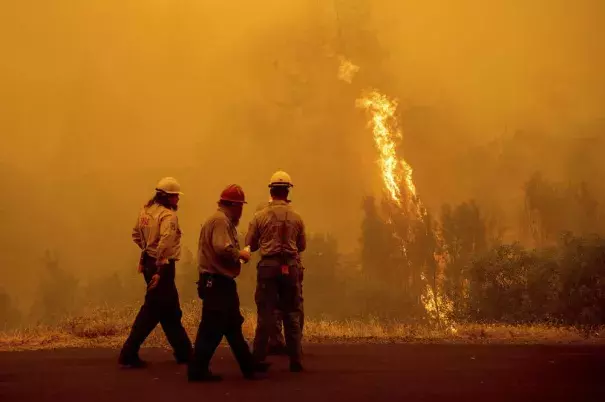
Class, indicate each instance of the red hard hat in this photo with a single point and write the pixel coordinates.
(233, 193)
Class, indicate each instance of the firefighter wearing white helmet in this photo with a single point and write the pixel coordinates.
(158, 235)
(277, 343)
(278, 232)
(280, 179)
(169, 185)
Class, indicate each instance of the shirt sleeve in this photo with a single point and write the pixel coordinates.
(252, 237)
(301, 241)
(200, 248)
(137, 236)
(222, 241)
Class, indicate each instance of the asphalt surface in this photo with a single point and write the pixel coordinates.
(397, 372)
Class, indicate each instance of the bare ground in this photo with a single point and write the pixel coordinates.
(360, 372)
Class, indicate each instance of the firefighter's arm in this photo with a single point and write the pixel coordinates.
(301, 241)
(137, 236)
(168, 237)
(252, 237)
(222, 243)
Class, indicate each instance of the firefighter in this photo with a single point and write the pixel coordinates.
(277, 343)
(158, 235)
(279, 233)
(220, 259)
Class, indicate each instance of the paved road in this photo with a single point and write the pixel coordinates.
(334, 372)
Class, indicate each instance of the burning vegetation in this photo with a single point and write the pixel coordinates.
(401, 199)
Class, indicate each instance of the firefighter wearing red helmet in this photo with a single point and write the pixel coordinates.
(158, 235)
(219, 263)
(279, 233)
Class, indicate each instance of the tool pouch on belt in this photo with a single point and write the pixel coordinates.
(286, 264)
(201, 286)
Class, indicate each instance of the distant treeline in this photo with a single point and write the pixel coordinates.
(457, 259)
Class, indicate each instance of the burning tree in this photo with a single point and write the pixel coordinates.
(414, 267)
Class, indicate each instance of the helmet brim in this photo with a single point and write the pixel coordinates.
(232, 201)
(169, 192)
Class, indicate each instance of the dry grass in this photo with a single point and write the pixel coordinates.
(108, 327)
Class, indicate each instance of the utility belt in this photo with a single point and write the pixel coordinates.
(270, 265)
(208, 280)
(150, 268)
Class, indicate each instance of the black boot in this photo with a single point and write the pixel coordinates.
(132, 362)
(296, 367)
(253, 376)
(183, 358)
(206, 376)
(252, 372)
(261, 367)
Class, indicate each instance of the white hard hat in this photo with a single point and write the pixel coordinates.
(169, 185)
(281, 179)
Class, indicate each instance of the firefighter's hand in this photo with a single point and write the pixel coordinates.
(155, 279)
(244, 255)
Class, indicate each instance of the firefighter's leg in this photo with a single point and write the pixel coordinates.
(238, 344)
(209, 335)
(266, 304)
(277, 344)
(302, 301)
(173, 328)
(290, 301)
(146, 320)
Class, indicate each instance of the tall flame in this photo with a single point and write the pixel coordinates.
(395, 171)
(397, 177)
